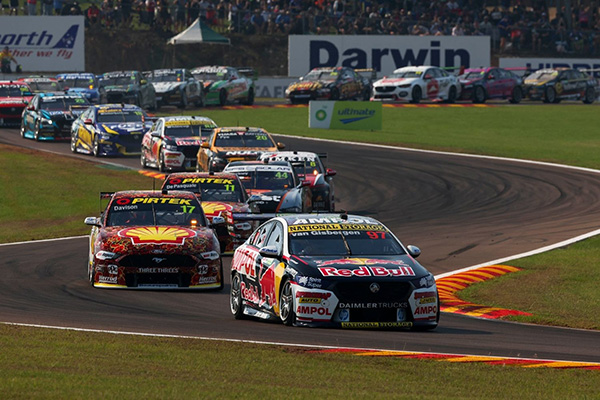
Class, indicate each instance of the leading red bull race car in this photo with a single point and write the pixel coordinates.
(153, 240)
(332, 270)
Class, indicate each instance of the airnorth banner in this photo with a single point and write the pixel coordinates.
(45, 43)
(345, 115)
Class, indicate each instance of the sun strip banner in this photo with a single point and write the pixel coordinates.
(450, 285)
(461, 358)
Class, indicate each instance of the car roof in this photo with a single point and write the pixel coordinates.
(153, 193)
(289, 156)
(239, 129)
(116, 106)
(191, 175)
(247, 166)
(330, 218)
(413, 68)
(187, 118)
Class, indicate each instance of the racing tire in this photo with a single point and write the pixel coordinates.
(335, 94)
(236, 303)
(73, 144)
(96, 147)
(36, 131)
(138, 101)
(517, 95)
(200, 100)
(590, 96)
(143, 159)
(222, 97)
(23, 128)
(90, 274)
(479, 96)
(286, 310)
(184, 100)
(154, 106)
(222, 284)
(451, 95)
(366, 95)
(417, 94)
(250, 99)
(549, 95)
(161, 161)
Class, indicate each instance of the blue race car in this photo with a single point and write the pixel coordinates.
(84, 84)
(49, 116)
(110, 130)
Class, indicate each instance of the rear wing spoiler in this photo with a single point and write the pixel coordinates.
(248, 72)
(368, 73)
(106, 195)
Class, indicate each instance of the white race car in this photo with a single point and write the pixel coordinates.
(414, 84)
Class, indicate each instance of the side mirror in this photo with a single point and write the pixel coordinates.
(205, 145)
(269, 251)
(217, 221)
(143, 82)
(330, 172)
(30, 107)
(155, 134)
(280, 146)
(88, 121)
(254, 198)
(413, 250)
(93, 221)
(304, 183)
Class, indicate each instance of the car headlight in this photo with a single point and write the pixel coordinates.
(105, 136)
(106, 255)
(210, 255)
(425, 282)
(324, 90)
(46, 121)
(171, 147)
(243, 226)
(218, 161)
(404, 86)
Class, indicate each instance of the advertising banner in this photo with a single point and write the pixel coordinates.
(273, 87)
(345, 115)
(592, 65)
(385, 53)
(48, 43)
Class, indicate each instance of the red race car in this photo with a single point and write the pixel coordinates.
(14, 97)
(480, 84)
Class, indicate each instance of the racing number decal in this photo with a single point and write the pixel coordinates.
(376, 235)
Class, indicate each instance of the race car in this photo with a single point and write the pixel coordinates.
(173, 142)
(228, 144)
(414, 84)
(332, 270)
(83, 83)
(176, 87)
(337, 83)
(110, 130)
(224, 85)
(14, 97)
(49, 116)
(153, 240)
(309, 167)
(42, 84)
(273, 187)
(554, 85)
(221, 195)
(127, 87)
(480, 84)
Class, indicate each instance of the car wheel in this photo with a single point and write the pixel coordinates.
(96, 147)
(286, 305)
(335, 94)
(184, 100)
(23, 128)
(200, 101)
(451, 95)
(366, 95)
(250, 99)
(236, 303)
(479, 94)
(143, 159)
(91, 273)
(36, 131)
(222, 97)
(416, 95)
(222, 284)
(155, 106)
(161, 161)
(590, 95)
(74, 144)
(517, 95)
(549, 95)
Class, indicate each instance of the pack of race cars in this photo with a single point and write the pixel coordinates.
(236, 191)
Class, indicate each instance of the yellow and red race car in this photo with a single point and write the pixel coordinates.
(221, 195)
(173, 142)
(228, 144)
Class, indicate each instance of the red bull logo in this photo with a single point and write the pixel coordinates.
(157, 235)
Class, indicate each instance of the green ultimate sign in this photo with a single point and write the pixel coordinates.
(364, 115)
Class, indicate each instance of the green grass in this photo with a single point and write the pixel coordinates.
(51, 364)
(47, 196)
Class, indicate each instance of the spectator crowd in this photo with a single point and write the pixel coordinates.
(512, 25)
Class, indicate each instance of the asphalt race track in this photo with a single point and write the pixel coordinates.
(460, 211)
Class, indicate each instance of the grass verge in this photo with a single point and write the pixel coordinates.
(51, 364)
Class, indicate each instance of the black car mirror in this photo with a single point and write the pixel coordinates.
(414, 251)
(94, 221)
(269, 252)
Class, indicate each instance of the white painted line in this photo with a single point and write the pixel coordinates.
(266, 343)
(44, 240)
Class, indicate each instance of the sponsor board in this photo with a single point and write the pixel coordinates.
(533, 64)
(51, 43)
(345, 115)
(273, 87)
(385, 53)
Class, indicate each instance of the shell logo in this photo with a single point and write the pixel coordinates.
(213, 208)
(157, 235)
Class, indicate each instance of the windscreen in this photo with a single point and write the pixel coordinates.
(166, 76)
(210, 75)
(120, 116)
(79, 83)
(266, 180)
(14, 91)
(342, 239)
(62, 103)
(145, 211)
(118, 80)
(328, 76)
(211, 189)
(472, 75)
(407, 74)
(45, 86)
(188, 128)
(243, 139)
